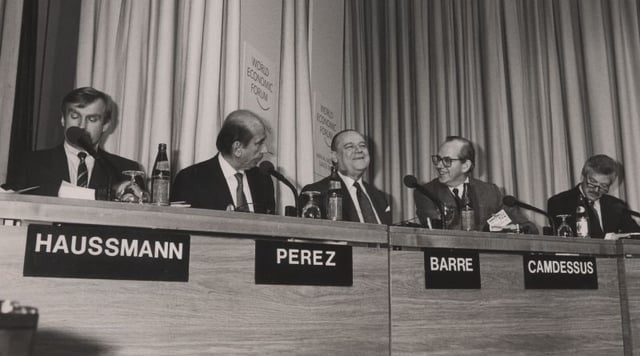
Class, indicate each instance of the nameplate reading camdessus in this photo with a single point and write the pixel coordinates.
(451, 269)
(560, 272)
(296, 263)
(106, 252)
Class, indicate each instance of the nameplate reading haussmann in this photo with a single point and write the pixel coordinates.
(106, 252)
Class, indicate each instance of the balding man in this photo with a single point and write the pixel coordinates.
(455, 162)
(230, 180)
(362, 202)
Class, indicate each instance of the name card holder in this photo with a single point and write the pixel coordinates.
(296, 263)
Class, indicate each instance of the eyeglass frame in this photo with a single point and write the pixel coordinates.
(597, 187)
(446, 161)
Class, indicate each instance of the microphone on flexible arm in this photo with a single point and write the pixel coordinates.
(80, 138)
(631, 212)
(267, 168)
(510, 201)
(411, 182)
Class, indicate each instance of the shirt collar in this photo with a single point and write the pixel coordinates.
(348, 181)
(73, 152)
(227, 169)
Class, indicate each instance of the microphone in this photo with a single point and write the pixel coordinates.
(81, 138)
(631, 212)
(267, 168)
(510, 201)
(411, 182)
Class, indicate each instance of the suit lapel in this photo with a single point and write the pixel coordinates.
(59, 164)
(349, 211)
(219, 182)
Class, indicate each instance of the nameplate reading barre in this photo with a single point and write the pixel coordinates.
(560, 272)
(303, 264)
(106, 252)
(451, 269)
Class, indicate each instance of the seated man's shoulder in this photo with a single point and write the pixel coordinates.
(319, 186)
(122, 162)
(562, 195)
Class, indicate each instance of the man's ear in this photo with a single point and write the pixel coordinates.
(235, 146)
(106, 126)
(334, 158)
(466, 166)
(62, 120)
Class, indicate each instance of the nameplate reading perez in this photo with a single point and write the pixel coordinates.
(303, 264)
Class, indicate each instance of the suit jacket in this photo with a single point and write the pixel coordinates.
(614, 218)
(349, 212)
(48, 168)
(204, 186)
(486, 200)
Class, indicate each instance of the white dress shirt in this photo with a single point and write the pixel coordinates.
(73, 161)
(354, 196)
(230, 176)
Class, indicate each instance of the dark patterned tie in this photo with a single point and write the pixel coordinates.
(83, 174)
(241, 199)
(368, 214)
(457, 198)
(594, 218)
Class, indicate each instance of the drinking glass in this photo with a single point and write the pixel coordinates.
(311, 207)
(130, 192)
(449, 215)
(564, 230)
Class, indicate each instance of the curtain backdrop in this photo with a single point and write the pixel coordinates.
(10, 24)
(538, 85)
(171, 66)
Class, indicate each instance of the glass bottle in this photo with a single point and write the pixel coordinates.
(582, 220)
(467, 214)
(160, 177)
(334, 207)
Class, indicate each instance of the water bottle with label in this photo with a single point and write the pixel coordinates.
(334, 208)
(467, 214)
(582, 222)
(161, 177)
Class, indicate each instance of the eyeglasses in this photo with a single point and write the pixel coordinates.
(592, 184)
(446, 161)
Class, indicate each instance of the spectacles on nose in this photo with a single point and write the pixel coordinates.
(591, 184)
(446, 161)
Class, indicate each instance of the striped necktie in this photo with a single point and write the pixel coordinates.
(83, 174)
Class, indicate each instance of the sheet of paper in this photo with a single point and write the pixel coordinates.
(68, 190)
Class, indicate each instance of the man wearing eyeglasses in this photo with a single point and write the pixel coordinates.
(606, 213)
(455, 162)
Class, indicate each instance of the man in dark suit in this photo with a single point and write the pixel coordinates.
(230, 180)
(91, 110)
(606, 213)
(361, 201)
(455, 161)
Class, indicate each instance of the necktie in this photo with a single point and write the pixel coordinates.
(241, 199)
(457, 198)
(368, 214)
(83, 174)
(594, 220)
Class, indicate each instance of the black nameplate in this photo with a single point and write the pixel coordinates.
(303, 264)
(106, 252)
(451, 269)
(560, 272)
